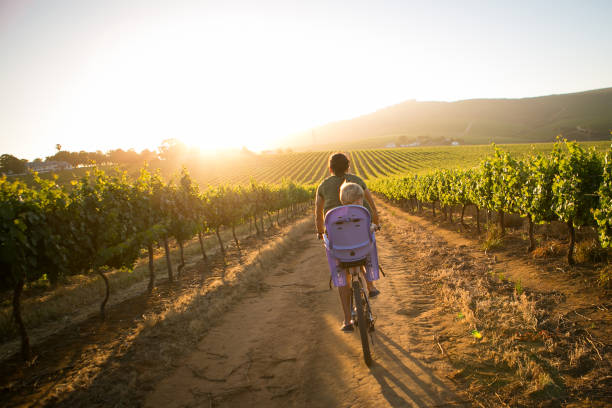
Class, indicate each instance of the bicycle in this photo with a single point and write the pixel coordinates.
(361, 310)
(351, 247)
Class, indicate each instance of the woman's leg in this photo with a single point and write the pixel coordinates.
(345, 293)
(369, 284)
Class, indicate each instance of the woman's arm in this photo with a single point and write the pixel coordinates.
(369, 198)
(319, 220)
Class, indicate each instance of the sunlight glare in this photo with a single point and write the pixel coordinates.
(222, 94)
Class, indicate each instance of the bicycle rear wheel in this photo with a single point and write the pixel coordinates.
(362, 322)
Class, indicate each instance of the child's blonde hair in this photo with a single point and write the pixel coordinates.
(350, 192)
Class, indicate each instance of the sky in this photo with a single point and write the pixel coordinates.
(99, 75)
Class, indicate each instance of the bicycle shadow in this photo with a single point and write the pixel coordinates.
(424, 388)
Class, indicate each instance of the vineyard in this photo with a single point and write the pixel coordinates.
(569, 184)
(311, 167)
(104, 221)
(65, 235)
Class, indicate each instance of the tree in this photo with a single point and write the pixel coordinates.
(120, 156)
(172, 150)
(11, 164)
(147, 155)
(66, 156)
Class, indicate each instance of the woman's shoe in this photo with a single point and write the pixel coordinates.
(374, 293)
(347, 328)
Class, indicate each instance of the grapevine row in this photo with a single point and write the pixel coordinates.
(570, 184)
(104, 220)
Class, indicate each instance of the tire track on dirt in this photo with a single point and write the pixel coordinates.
(282, 346)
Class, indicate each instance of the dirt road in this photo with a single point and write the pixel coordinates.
(283, 347)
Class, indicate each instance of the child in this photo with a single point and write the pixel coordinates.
(352, 194)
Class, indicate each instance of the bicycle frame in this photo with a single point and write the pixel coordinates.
(361, 311)
(356, 277)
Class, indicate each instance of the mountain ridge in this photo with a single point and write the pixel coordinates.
(585, 115)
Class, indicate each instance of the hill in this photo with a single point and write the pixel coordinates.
(582, 116)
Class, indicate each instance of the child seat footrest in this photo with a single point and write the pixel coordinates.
(360, 262)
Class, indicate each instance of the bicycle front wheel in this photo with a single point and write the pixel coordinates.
(362, 322)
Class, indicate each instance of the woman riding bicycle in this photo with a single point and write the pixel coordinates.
(328, 197)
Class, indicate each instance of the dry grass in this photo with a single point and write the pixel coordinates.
(590, 250)
(508, 321)
(529, 349)
(578, 352)
(553, 248)
(516, 341)
(82, 293)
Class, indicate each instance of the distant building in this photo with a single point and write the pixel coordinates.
(390, 144)
(455, 143)
(47, 166)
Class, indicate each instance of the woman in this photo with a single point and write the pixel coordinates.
(328, 197)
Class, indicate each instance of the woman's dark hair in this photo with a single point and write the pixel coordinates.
(338, 163)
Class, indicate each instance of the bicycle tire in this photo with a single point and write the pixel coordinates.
(363, 326)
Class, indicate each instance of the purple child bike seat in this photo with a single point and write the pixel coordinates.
(348, 239)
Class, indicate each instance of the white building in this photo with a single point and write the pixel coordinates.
(47, 166)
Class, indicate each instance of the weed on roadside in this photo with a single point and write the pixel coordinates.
(518, 287)
(493, 238)
(605, 276)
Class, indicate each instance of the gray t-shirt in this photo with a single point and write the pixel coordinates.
(329, 190)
